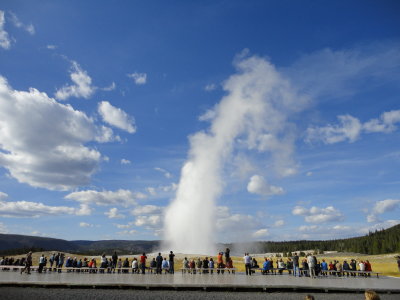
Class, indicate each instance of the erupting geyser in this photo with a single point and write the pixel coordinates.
(254, 110)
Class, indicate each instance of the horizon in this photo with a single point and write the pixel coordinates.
(262, 121)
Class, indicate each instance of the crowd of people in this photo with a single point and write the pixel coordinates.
(311, 267)
(208, 265)
(308, 266)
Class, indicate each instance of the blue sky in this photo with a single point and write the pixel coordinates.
(102, 102)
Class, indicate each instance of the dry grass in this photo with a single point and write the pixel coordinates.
(386, 264)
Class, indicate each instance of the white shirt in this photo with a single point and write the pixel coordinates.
(247, 259)
(134, 264)
(310, 261)
(362, 266)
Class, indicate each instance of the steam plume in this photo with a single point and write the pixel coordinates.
(254, 110)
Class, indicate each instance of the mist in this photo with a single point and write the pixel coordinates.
(254, 110)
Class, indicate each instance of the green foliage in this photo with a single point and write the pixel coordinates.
(378, 242)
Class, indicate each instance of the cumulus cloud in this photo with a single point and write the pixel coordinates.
(5, 41)
(138, 78)
(147, 210)
(279, 223)
(149, 222)
(42, 141)
(258, 185)
(125, 161)
(165, 172)
(318, 215)
(151, 190)
(17, 23)
(114, 214)
(116, 117)
(81, 87)
(26, 209)
(84, 224)
(350, 128)
(51, 47)
(3, 196)
(261, 233)
(119, 197)
(381, 207)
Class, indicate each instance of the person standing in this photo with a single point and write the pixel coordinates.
(247, 263)
(296, 269)
(143, 262)
(311, 265)
(114, 260)
(227, 255)
(171, 262)
(28, 263)
(159, 260)
(219, 260)
(41, 263)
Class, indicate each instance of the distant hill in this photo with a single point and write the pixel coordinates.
(378, 242)
(15, 244)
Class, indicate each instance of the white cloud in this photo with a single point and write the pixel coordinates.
(138, 78)
(119, 197)
(82, 86)
(169, 188)
(5, 42)
(258, 185)
(84, 210)
(17, 23)
(261, 233)
(386, 205)
(25, 209)
(51, 47)
(125, 161)
(382, 207)
(147, 210)
(124, 226)
(3, 196)
(149, 222)
(165, 172)
(116, 117)
(350, 128)
(151, 190)
(210, 87)
(113, 214)
(3, 228)
(279, 223)
(109, 88)
(42, 141)
(318, 215)
(84, 224)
